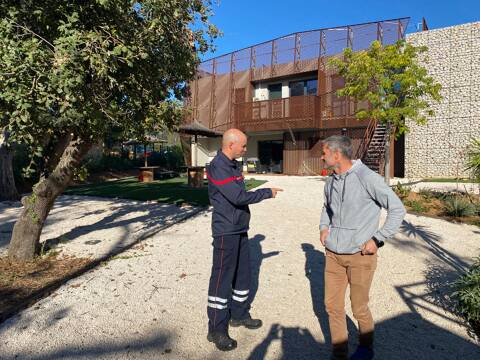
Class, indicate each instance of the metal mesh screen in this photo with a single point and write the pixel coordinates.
(296, 53)
(223, 64)
(284, 50)
(241, 60)
(306, 45)
(363, 35)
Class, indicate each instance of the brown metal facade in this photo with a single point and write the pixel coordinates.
(302, 150)
(222, 93)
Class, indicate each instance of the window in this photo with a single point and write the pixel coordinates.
(303, 87)
(297, 88)
(311, 86)
(274, 91)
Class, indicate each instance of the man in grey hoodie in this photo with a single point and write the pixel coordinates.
(349, 230)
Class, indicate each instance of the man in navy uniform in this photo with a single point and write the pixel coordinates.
(228, 292)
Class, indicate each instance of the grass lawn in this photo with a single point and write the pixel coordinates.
(174, 190)
(448, 180)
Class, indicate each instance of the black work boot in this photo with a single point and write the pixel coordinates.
(221, 340)
(248, 322)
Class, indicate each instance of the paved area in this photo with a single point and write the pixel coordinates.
(150, 302)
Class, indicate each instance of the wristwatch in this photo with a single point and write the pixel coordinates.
(379, 243)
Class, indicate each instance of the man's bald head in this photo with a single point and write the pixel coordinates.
(232, 136)
(234, 143)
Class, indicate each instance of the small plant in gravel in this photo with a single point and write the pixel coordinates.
(458, 207)
(427, 194)
(401, 190)
(439, 195)
(416, 206)
(467, 295)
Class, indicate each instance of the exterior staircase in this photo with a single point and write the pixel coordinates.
(374, 156)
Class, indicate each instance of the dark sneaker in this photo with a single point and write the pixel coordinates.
(363, 353)
(222, 341)
(249, 323)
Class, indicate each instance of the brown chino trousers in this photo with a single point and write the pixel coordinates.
(357, 271)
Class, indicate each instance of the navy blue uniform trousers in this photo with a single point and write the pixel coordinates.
(228, 291)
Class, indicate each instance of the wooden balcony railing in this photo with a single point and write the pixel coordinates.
(297, 112)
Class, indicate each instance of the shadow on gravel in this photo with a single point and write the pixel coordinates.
(137, 348)
(256, 258)
(430, 241)
(406, 336)
(153, 223)
(297, 343)
(153, 219)
(314, 270)
(6, 229)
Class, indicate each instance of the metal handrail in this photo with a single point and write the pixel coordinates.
(367, 138)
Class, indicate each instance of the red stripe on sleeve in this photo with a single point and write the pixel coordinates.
(221, 182)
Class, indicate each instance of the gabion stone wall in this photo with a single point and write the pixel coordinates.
(453, 59)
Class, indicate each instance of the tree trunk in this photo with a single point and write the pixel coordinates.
(8, 191)
(26, 232)
(185, 142)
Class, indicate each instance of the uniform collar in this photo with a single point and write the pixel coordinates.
(225, 159)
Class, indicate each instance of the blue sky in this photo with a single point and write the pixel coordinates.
(248, 22)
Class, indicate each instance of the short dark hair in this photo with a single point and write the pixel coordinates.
(340, 143)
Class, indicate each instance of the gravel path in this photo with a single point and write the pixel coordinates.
(150, 303)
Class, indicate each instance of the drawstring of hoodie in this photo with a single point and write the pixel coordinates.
(344, 186)
(343, 190)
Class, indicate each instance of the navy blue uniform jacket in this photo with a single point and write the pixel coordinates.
(230, 200)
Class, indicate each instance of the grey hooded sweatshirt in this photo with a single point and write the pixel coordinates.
(351, 210)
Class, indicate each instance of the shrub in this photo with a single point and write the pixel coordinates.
(170, 157)
(467, 294)
(80, 173)
(427, 194)
(458, 207)
(95, 164)
(416, 206)
(402, 190)
(477, 208)
(473, 159)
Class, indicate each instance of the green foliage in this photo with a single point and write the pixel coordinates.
(21, 160)
(401, 190)
(391, 80)
(458, 206)
(81, 173)
(467, 293)
(416, 206)
(427, 194)
(96, 164)
(87, 67)
(473, 159)
(170, 157)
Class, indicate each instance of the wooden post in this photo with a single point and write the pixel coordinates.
(145, 154)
